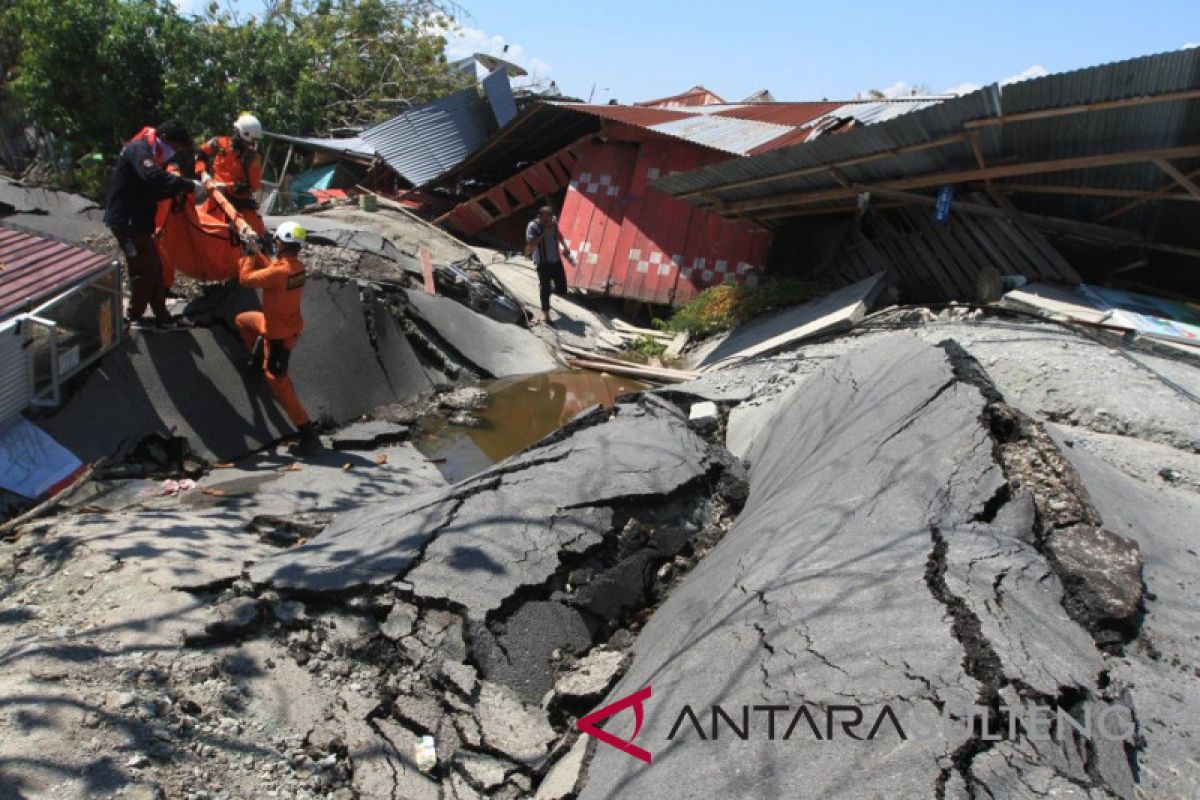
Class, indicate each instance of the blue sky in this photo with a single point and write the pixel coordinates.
(808, 51)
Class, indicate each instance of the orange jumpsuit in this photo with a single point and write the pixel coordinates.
(279, 323)
(239, 167)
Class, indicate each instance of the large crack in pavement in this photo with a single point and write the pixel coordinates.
(876, 481)
(907, 540)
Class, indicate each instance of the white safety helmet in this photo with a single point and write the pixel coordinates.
(248, 127)
(291, 233)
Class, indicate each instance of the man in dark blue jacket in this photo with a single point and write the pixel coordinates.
(139, 182)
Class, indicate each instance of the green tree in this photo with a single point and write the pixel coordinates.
(92, 72)
(307, 66)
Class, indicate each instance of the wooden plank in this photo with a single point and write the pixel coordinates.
(1180, 178)
(1087, 191)
(657, 374)
(1055, 264)
(939, 240)
(967, 175)
(1031, 263)
(427, 270)
(675, 349)
(1162, 191)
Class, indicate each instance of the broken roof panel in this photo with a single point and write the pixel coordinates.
(33, 268)
(500, 97)
(425, 142)
(742, 129)
(354, 147)
(1140, 105)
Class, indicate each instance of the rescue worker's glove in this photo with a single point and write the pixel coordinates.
(199, 192)
(250, 245)
(205, 178)
(277, 361)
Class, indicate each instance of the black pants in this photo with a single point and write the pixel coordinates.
(552, 279)
(145, 274)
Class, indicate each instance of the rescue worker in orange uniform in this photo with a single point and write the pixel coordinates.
(271, 334)
(234, 166)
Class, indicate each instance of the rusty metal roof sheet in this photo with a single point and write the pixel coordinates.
(749, 128)
(33, 268)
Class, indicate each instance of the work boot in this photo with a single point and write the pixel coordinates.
(310, 442)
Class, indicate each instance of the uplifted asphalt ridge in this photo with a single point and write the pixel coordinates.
(871, 566)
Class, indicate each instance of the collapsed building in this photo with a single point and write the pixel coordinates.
(948, 510)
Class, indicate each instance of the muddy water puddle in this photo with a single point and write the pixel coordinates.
(519, 411)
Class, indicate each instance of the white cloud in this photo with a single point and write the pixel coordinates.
(1033, 71)
(1190, 45)
(963, 88)
(463, 41)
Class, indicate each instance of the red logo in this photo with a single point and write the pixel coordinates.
(588, 724)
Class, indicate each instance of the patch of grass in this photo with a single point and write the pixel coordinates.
(729, 305)
(648, 346)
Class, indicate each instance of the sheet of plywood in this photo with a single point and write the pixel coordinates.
(782, 329)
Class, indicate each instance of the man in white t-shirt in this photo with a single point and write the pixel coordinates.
(543, 244)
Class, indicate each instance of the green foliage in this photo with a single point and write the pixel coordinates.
(648, 346)
(729, 305)
(93, 72)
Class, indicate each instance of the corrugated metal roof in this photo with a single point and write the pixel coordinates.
(1105, 130)
(353, 147)
(737, 128)
(733, 135)
(696, 96)
(500, 97)
(425, 142)
(916, 125)
(33, 268)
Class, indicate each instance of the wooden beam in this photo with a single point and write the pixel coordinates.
(850, 162)
(1179, 177)
(964, 176)
(1045, 113)
(1086, 191)
(1162, 191)
(977, 149)
(1083, 108)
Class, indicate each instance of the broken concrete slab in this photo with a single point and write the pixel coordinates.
(523, 656)
(403, 229)
(503, 524)
(337, 371)
(1154, 671)
(867, 503)
(593, 676)
(486, 772)
(493, 348)
(184, 383)
(520, 732)
(787, 327)
(562, 780)
(195, 384)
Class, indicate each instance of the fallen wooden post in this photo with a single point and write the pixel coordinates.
(656, 374)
